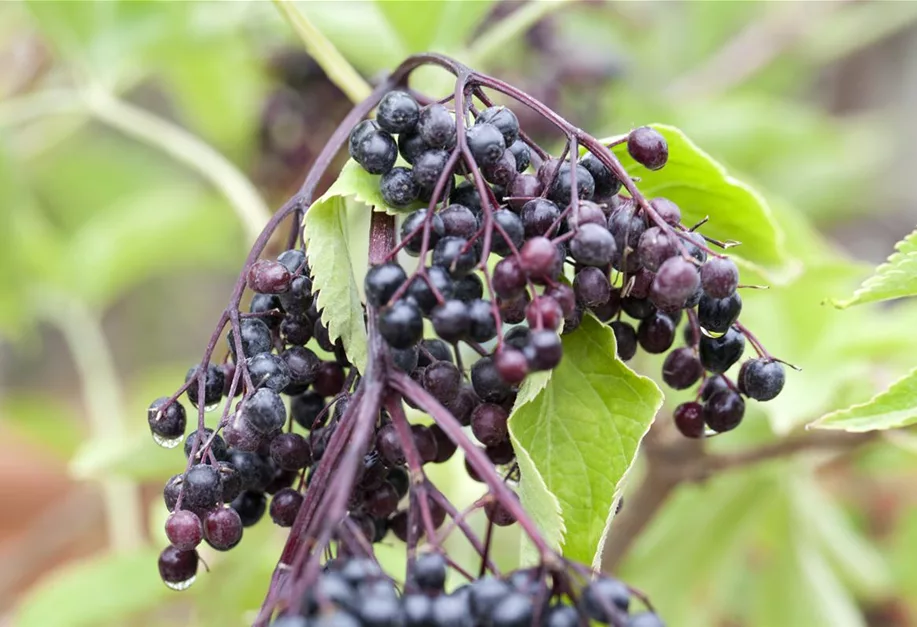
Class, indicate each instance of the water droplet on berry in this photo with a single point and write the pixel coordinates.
(212, 407)
(165, 442)
(181, 585)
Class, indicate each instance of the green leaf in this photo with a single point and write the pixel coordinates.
(896, 278)
(333, 275)
(100, 591)
(355, 182)
(701, 187)
(891, 409)
(581, 433)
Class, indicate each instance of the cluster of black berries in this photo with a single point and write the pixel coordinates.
(355, 592)
(255, 452)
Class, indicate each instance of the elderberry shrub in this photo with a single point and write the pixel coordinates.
(513, 249)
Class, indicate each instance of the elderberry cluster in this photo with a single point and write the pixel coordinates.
(355, 592)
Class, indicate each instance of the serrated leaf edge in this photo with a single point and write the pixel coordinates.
(825, 422)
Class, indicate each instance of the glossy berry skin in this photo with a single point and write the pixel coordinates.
(544, 351)
(512, 365)
(626, 338)
(176, 566)
(586, 212)
(522, 155)
(223, 528)
(430, 572)
(459, 221)
(398, 187)
(676, 280)
(264, 411)
(436, 126)
(645, 619)
(482, 324)
(487, 383)
(401, 324)
(592, 245)
(360, 132)
(433, 350)
(489, 424)
(451, 320)
(167, 423)
(214, 382)
(508, 279)
(290, 451)
(681, 369)
(544, 313)
(421, 292)
(655, 247)
(250, 506)
(268, 277)
(414, 222)
(720, 353)
(262, 303)
(762, 379)
(524, 188)
(561, 191)
(561, 615)
(382, 281)
(724, 410)
(410, 144)
(269, 371)
(718, 314)
(503, 171)
(538, 215)
(466, 194)
(184, 530)
(201, 488)
(375, 151)
(606, 184)
(656, 333)
(397, 112)
(512, 226)
(299, 297)
(484, 594)
(538, 257)
(255, 338)
(217, 446)
(486, 143)
(605, 598)
(689, 420)
(443, 380)
(564, 296)
(648, 147)
(284, 507)
(450, 253)
(719, 277)
(515, 610)
(503, 119)
(428, 166)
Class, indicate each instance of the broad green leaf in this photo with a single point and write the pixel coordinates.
(103, 590)
(582, 431)
(701, 187)
(897, 278)
(355, 182)
(333, 275)
(891, 409)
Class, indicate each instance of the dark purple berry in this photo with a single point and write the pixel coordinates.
(655, 247)
(401, 324)
(167, 425)
(382, 282)
(487, 383)
(397, 112)
(626, 338)
(538, 215)
(398, 187)
(410, 144)
(544, 351)
(524, 188)
(667, 210)
(719, 277)
(486, 143)
(489, 424)
(375, 150)
(201, 489)
(442, 380)
(689, 420)
(451, 320)
(436, 126)
(177, 568)
(184, 530)
(512, 365)
(681, 369)
(284, 506)
(511, 225)
(250, 506)
(591, 287)
(592, 245)
(561, 191)
(508, 279)
(724, 410)
(718, 354)
(676, 280)
(415, 221)
(522, 155)
(290, 451)
(718, 314)
(223, 528)
(455, 255)
(429, 166)
(264, 411)
(214, 381)
(482, 325)
(648, 147)
(762, 379)
(606, 184)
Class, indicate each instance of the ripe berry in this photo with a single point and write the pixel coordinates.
(487, 383)
(762, 379)
(503, 171)
(486, 143)
(592, 245)
(675, 281)
(637, 308)
(522, 155)
(626, 338)
(434, 350)
(606, 183)
(299, 298)
(538, 257)
(538, 215)
(544, 351)
(724, 410)
(561, 615)
(508, 279)
(436, 126)
(512, 226)
(544, 313)
(564, 296)
(450, 253)
(591, 287)
(414, 222)
(719, 277)
(442, 380)
(263, 303)
(586, 212)
(627, 226)
(445, 447)
(296, 329)
(645, 619)
(268, 277)
(689, 420)
(655, 247)
(422, 294)
(397, 112)
(184, 531)
(425, 442)
(428, 166)
(451, 320)
(329, 378)
(213, 385)
(503, 119)
(718, 354)
(305, 408)
(484, 594)
(401, 324)
(466, 194)
(429, 572)
(656, 333)
(177, 568)
(482, 324)
(605, 598)
(524, 188)
(290, 451)
(375, 150)
(667, 210)
(410, 144)
(382, 282)
(201, 487)
(718, 314)
(561, 190)
(284, 506)
(250, 506)
(459, 221)
(681, 369)
(231, 481)
(264, 411)
(463, 404)
(223, 528)
(167, 425)
(217, 445)
(489, 424)
(512, 365)
(269, 371)
(389, 445)
(514, 610)
(648, 147)
(358, 134)
(398, 187)
(255, 338)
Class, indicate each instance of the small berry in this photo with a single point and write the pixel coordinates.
(290, 451)
(201, 489)
(177, 568)
(718, 314)
(264, 411)
(606, 184)
(522, 155)
(681, 369)
(401, 324)
(269, 371)
(676, 280)
(255, 338)
(167, 424)
(284, 506)
(538, 215)
(414, 222)
(436, 126)
(762, 379)
(626, 338)
(591, 287)
(486, 143)
(398, 187)
(718, 354)
(429, 166)
(375, 151)
(223, 528)
(512, 365)
(503, 119)
(689, 420)
(592, 245)
(184, 530)
(538, 257)
(397, 112)
(489, 424)
(451, 320)
(250, 506)
(214, 382)
(454, 254)
(429, 572)
(667, 210)
(724, 410)
(648, 147)
(719, 277)
(482, 323)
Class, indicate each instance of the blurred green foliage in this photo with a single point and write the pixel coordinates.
(94, 214)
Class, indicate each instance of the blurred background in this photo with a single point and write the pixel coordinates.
(142, 145)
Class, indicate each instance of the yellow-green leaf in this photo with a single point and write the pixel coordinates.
(894, 408)
(896, 278)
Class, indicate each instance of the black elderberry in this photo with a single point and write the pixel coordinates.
(489, 424)
(718, 354)
(264, 303)
(605, 598)
(667, 210)
(514, 610)
(214, 382)
(561, 615)
(592, 245)
(487, 383)
(648, 147)
(724, 410)
(486, 143)
(201, 487)
(719, 277)
(626, 338)
(269, 371)
(512, 227)
(167, 425)
(410, 144)
(422, 293)
(284, 506)
(433, 350)
(305, 409)
(398, 187)
(296, 329)
(223, 528)
(676, 280)
(522, 155)
(681, 369)
(290, 451)
(442, 380)
(429, 572)
(645, 619)
(544, 350)
(414, 222)
(255, 338)
(360, 132)
(303, 365)
(689, 419)
(454, 254)
(655, 247)
(436, 126)
(397, 112)
(467, 195)
(451, 320)
(250, 506)
(762, 379)
(469, 288)
(299, 298)
(459, 221)
(538, 215)
(217, 444)
(524, 188)
(482, 325)
(718, 314)
(382, 281)
(177, 568)
(561, 190)
(417, 610)
(375, 150)
(428, 166)
(591, 287)
(606, 184)
(184, 530)
(401, 324)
